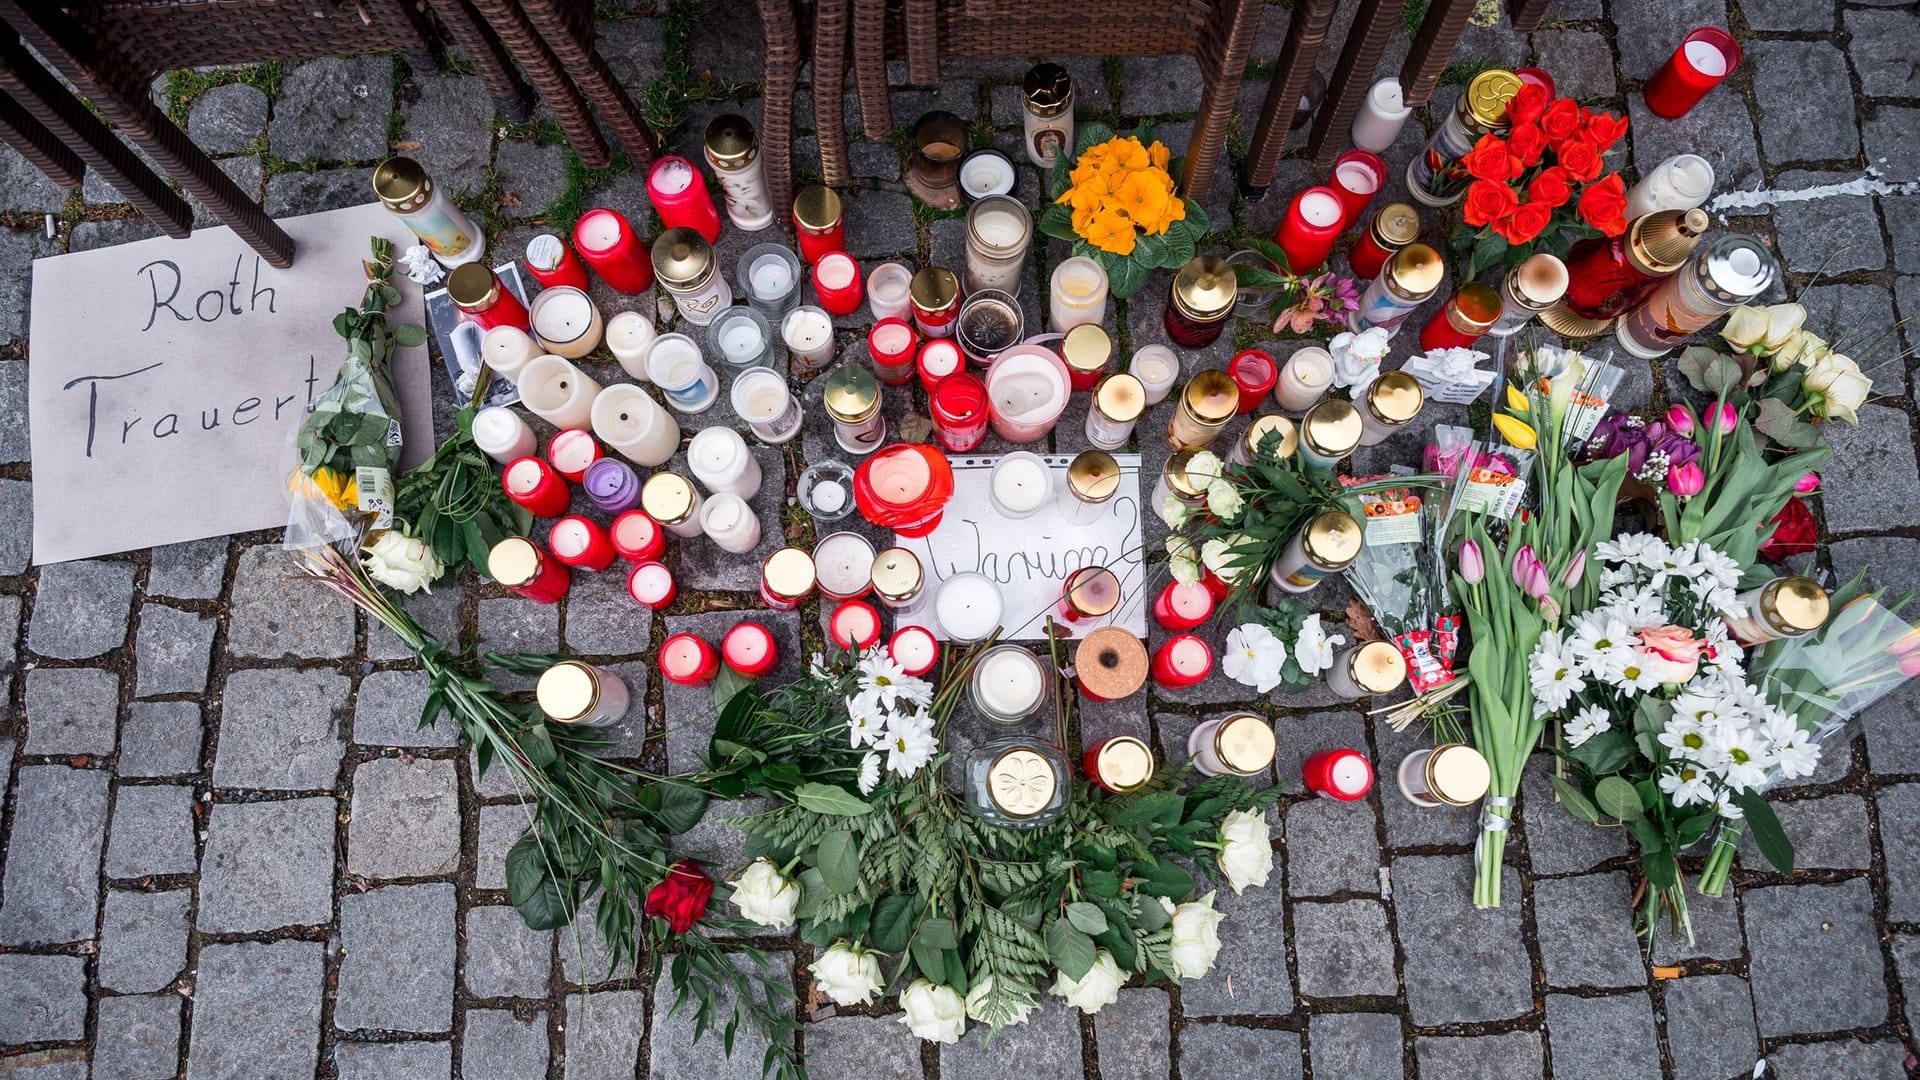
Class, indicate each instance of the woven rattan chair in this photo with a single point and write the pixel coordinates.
(552, 41)
(781, 24)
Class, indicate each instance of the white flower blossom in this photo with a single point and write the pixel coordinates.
(1097, 989)
(909, 743)
(766, 897)
(398, 561)
(1254, 657)
(847, 974)
(1591, 720)
(1196, 938)
(869, 772)
(1246, 851)
(934, 1013)
(1223, 500)
(1313, 650)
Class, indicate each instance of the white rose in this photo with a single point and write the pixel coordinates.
(1215, 554)
(1182, 560)
(848, 975)
(1223, 500)
(1196, 937)
(1204, 468)
(977, 997)
(398, 561)
(764, 896)
(934, 1013)
(1762, 331)
(1246, 853)
(1174, 512)
(1842, 386)
(1097, 989)
(1801, 347)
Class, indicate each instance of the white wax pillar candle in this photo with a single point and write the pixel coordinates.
(729, 523)
(678, 368)
(566, 321)
(1077, 293)
(507, 350)
(502, 435)
(1303, 380)
(968, 607)
(1010, 682)
(1681, 182)
(843, 562)
(808, 334)
(1026, 393)
(719, 459)
(558, 392)
(762, 399)
(634, 425)
(1156, 367)
(1021, 484)
(630, 335)
(887, 294)
(1382, 114)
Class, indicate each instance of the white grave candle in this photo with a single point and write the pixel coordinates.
(1156, 367)
(843, 562)
(566, 321)
(762, 399)
(1021, 484)
(1706, 59)
(1303, 380)
(808, 334)
(740, 336)
(968, 607)
(729, 523)
(1681, 182)
(630, 336)
(558, 392)
(1382, 114)
(1026, 390)
(507, 350)
(1077, 294)
(719, 459)
(771, 276)
(635, 425)
(502, 435)
(887, 289)
(1009, 683)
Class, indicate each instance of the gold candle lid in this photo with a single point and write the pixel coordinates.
(1120, 398)
(1487, 95)
(682, 258)
(1478, 296)
(1211, 397)
(1395, 398)
(1415, 271)
(1179, 482)
(1244, 743)
(1332, 428)
(851, 394)
(1022, 781)
(1048, 90)
(1093, 476)
(1333, 539)
(1457, 774)
(898, 575)
(730, 140)
(1564, 322)
(1792, 606)
(934, 289)
(513, 562)
(1084, 580)
(1395, 225)
(401, 183)
(472, 286)
(1661, 242)
(668, 498)
(1204, 289)
(568, 692)
(1261, 431)
(788, 573)
(1539, 281)
(1111, 663)
(816, 209)
(1377, 667)
(1087, 348)
(1124, 763)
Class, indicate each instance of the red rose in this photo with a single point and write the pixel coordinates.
(1604, 205)
(1580, 159)
(1490, 160)
(1525, 223)
(1488, 201)
(1560, 120)
(1528, 104)
(1603, 130)
(1550, 187)
(1794, 532)
(1526, 143)
(682, 897)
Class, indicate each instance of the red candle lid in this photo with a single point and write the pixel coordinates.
(855, 625)
(683, 656)
(650, 583)
(749, 647)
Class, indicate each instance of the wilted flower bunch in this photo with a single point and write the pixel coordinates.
(1834, 383)
(888, 717)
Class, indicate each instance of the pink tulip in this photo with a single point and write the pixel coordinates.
(1686, 480)
(1537, 584)
(1523, 560)
(1576, 570)
(1807, 484)
(1910, 665)
(1680, 419)
(1473, 566)
(1723, 416)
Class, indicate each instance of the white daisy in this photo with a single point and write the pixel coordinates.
(1686, 785)
(1724, 805)
(1591, 720)
(1554, 676)
(1628, 670)
(889, 683)
(1596, 636)
(1791, 749)
(909, 743)
(1637, 549)
(1742, 762)
(869, 772)
(866, 724)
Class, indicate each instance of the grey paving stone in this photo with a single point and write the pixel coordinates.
(71, 710)
(1558, 842)
(504, 958)
(1473, 965)
(1512, 1056)
(437, 612)
(18, 247)
(874, 160)
(1345, 949)
(160, 738)
(268, 865)
(1238, 1053)
(1871, 474)
(515, 624)
(1906, 961)
(1829, 833)
(1858, 319)
(153, 829)
(13, 374)
(1816, 958)
(1884, 68)
(1048, 1044)
(451, 117)
(52, 884)
(496, 1043)
(138, 1039)
(1604, 1038)
(879, 223)
(866, 1046)
(1718, 129)
(500, 826)
(1131, 1035)
(273, 617)
(1154, 85)
(728, 45)
(16, 535)
(1298, 738)
(193, 570)
(584, 956)
(1581, 62)
(9, 632)
(1332, 848)
(143, 939)
(256, 1012)
(293, 193)
(1833, 234)
(1884, 1059)
(1354, 1044)
(1710, 1028)
(603, 1037)
(406, 819)
(281, 729)
(1716, 931)
(704, 565)
(51, 1065)
(1887, 134)
(246, 174)
(1899, 807)
(689, 710)
(1647, 35)
(80, 608)
(603, 620)
(397, 970)
(532, 176)
(28, 189)
(393, 1061)
(386, 712)
(636, 50)
(1585, 929)
(173, 650)
(334, 109)
(1785, 15)
(227, 119)
(42, 998)
(1796, 125)
(720, 845)
(1249, 977)
(497, 782)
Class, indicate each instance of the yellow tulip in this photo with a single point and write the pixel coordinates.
(1516, 431)
(1516, 400)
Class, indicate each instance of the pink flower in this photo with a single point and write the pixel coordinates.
(1537, 584)
(1686, 480)
(1473, 567)
(1910, 665)
(1723, 416)
(1523, 563)
(1672, 653)
(1576, 570)
(1807, 484)
(1680, 419)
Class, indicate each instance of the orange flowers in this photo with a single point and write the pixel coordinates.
(1552, 156)
(1120, 189)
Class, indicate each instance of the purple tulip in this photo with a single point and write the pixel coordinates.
(1576, 570)
(1473, 566)
(1680, 419)
(1686, 480)
(1523, 560)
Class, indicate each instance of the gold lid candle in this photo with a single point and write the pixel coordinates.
(1721, 276)
(1178, 483)
(576, 692)
(1367, 669)
(1087, 349)
(673, 501)
(1391, 228)
(1329, 432)
(1389, 403)
(1210, 401)
(786, 578)
(406, 190)
(852, 399)
(1016, 783)
(1786, 607)
(1046, 120)
(1121, 764)
(1199, 301)
(899, 581)
(1270, 437)
(1093, 477)
(1529, 289)
(818, 223)
(1451, 774)
(1237, 745)
(733, 152)
(684, 265)
(934, 295)
(1117, 404)
(1406, 281)
(1436, 177)
(1327, 545)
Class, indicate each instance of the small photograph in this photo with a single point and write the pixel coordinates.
(459, 339)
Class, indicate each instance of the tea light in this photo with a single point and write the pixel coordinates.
(826, 490)
(1343, 775)
(570, 452)
(719, 459)
(651, 585)
(807, 331)
(1181, 607)
(939, 358)
(630, 336)
(1703, 59)
(968, 607)
(1185, 660)
(836, 279)
(729, 522)
(507, 350)
(891, 343)
(854, 625)
(1021, 484)
(635, 425)
(843, 565)
(566, 321)
(1027, 391)
(1157, 369)
(1383, 112)
(915, 649)
(741, 338)
(1358, 175)
(1008, 684)
(1310, 228)
(580, 543)
(770, 279)
(536, 486)
(502, 435)
(687, 660)
(761, 398)
(984, 173)
(1076, 294)
(557, 392)
(1304, 379)
(887, 289)
(749, 649)
(677, 367)
(1254, 372)
(608, 244)
(637, 537)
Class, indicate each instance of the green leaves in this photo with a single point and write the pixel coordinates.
(1767, 833)
(838, 860)
(1165, 878)
(1057, 221)
(1605, 753)
(675, 807)
(1087, 918)
(728, 683)
(1161, 806)
(1577, 804)
(1071, 950)
(1618, 798)
(538, 895)
(894, 919)
(829, 799)
(409, 335)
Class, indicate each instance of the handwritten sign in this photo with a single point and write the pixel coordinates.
(166, 379)
(1031, 557)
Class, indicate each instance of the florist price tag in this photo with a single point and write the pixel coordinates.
(1030, 558)
(168, 378)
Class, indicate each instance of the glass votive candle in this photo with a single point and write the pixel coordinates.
(1303, 379)
(607, 242)
(1704, 58)
(939, 358)
(1199, 301)
(1239, 745)
(770, 279)
(1358, 175)
(637, 537)
(1463, 318)
(681, 371)
(843, 563)
(575, 693)
(1021, 485)
(741, 338)
(761, 398)
(1008, 684)
(1157, 369)
(749, 648)
(826, 490)
(476, 290)
(904, 487)
(679, 195)
(968, 606)
(1254, 372)
(934, 296)
(891, 343)
(1312, 224)
(611, 485)
(1210, 401)
(836, 279)
(999, 230)
(887, 286)
(566, 321)
(1091, 592)
(959, 410)
(986, 172)
(1077, 294)
(807, 332)
(990, 322)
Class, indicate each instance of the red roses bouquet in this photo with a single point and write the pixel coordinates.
(1543, 185)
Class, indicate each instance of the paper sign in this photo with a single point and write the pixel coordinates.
(1031, 557)
(167, 378)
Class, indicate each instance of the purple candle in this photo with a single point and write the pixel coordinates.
(611, 485)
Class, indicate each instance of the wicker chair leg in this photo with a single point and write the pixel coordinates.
(1446, 20)
(511, 96)
(1224, 50)
(1306, 35)
(779, 72)
(870, 67)
(509, 20)
(1526, 14)
(923, 42)
(1373, 24)
(574, 46)
(31, 140)
(830, 88)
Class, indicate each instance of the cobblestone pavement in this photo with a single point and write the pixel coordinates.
(230, 854)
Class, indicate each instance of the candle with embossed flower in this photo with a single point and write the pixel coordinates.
(608, 244)
(571, 452)
(536, 486)
(1342, 775)
(1182, 606)
(836, 279)
(679, 195)
(854, 624)
(1183, 660)
(915, 649)
(1310, 228)
(651, 585)
(580, 543)
(637, 537)
(687, 660)
(749, 648)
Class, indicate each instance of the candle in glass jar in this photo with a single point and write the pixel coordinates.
(786, 579)
(1383, 112)
(1391, 228)
(557, 392)
(1026, 391)
(1312, 224)
(999, 230)
(571, 452)
(934, 296)
(685, 264)
(1088, 350)
(741, 338)
(1157, 369)
(518, 564)
(687, 660)
(679, 195)
(1200, 300)
(502, 435)
(915, 649)
(1451, 774)
(1093, 478)
(770, 278)
(1121, 764)
(1239, 745)
(630, 337)
(552, 263)
(854, 625)
(1358, 175)
(825, 489)
(719, 459)
(990, 321)
(1182, 606)
(480, 294)
(762, 399)
(897, 478)
(577, 693)
(852, 398)
(836, 279)
(938, 358)
(1254, 372)
(749, 648)
(1327, 545)
(566, 322)
(580, 543)
(1681, 182)
(673, 501)
(1184, 660)
(818, 223)
(1008, 684)
(537, 487)
(1405, 282)
(507, 350)
(891, 344)
(1091, 592)
(651, 585)
(1303, 379)
(1328, 433)
(635, 425)
(968, 607)
(637, 537)
(959, 410)
(1207, 405)
(679, 369)
(905, 487)
(608, 244)
(1703, 59)
(1020, 485)
(807, 332)
(887, 287)
(1343, 775)
(1463, 318)
(985, 172)
(1077, 294)
(1117, 404)
(843, 563)
(730, 523)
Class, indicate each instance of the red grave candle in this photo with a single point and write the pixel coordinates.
(960, 411)
(939, 358)
(580, 543)
(537, 486)
(915, 649)
(1461, 321)
(611, 247)
(891, 344)
(1311, 226)
(651, 584)
(480, 295)
(1254, 372)
(1358, 175)
(637, 537)
(1704, 58)
(551, 262)
(1182, 607)
(749, 649)
(855, 624)
(680, 194)
(904, 487)
(818, 223)
(1345, 775)
(687, 660)
(518, 564)
(571, 452)
(1183, 661)
(837, 280)
(1215, 587)
(1540, 77)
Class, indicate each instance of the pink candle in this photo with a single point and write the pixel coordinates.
(1183, 661)
(891, 343)
(836, 277)
(687, 660)
(580, 543)
(571, 451)
(749, 649)
(915, 649)
(680, 194)
(1311, 226)
(855, 624)
(651, 584)
(1358, 175)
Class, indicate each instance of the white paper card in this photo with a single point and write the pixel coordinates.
(1449, 381)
